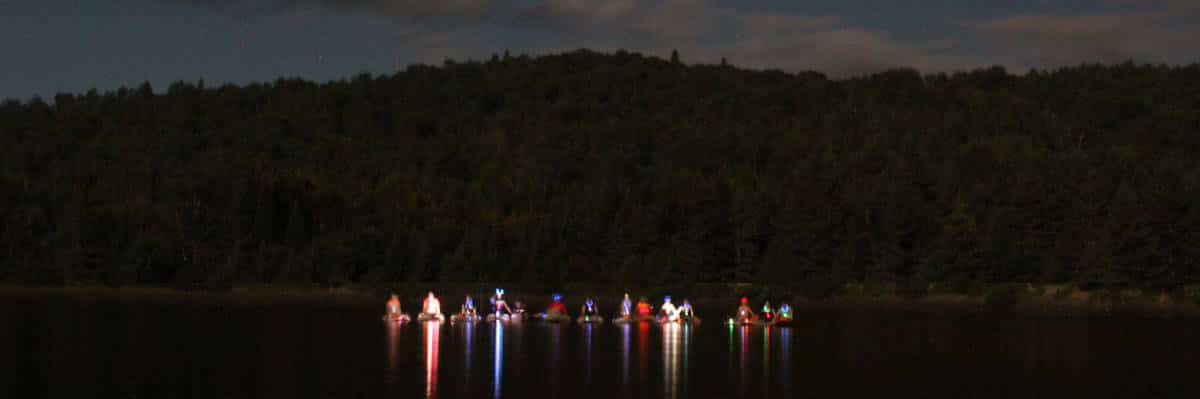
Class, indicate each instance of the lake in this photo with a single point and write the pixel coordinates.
(59, 347)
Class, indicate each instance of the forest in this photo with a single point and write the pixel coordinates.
(612, 168)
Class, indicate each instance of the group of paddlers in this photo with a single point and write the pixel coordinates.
(431, 309)
(589, 312)
(768, 316)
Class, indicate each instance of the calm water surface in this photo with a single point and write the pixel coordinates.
(62, 348)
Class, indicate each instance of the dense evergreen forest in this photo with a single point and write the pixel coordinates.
(612, 168)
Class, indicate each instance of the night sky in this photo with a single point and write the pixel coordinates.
(51, 46)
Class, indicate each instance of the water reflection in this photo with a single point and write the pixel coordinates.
(729, 353)
(687, 349)
(625, 332)
(670, 352)
(393, 356)
(785, 359)
(643, 352)
(497, 358)
(587, 354)
(469, 336)
(555, 351)
(766, 356)
(744, 334)
(432, 331)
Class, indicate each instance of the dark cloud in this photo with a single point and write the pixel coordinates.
(708, 30)
(397, 8)
(705, 31)
(1055, 40)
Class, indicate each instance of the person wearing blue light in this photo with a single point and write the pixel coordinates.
(626, 307)
(499, 307)
(589, 312)
(668, 312)
(556, 306)
(467, 312)
(589, 308)
(686, 313)
(556, 311)
(785, 313)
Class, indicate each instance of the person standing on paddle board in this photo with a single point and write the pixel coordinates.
(685, 311)
(519, 308)
(767, 312)
(393, 309)
(744, 313)
(556, 306)
(499, 307)
(668, 311)
(393, 305)
(432, 308)
(785, 312)
(643, 309)
(626, 307)
(589, 309)
(468, 308)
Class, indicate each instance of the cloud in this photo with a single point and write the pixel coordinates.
(839, 52)
(395, 8)
(704, 31)
(1179, 5)
(707, 31)
(1048, 40)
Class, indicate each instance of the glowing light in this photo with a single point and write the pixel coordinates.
(625, 329)
(767, 354)
(470, 337)
(745, 349)
(497, 359)
(393, 355)
(671, 360)
(643, 352)
(785, 354)
(687, 334)
(587, 334)
(555, 348)
(431, 357)
(729, 353)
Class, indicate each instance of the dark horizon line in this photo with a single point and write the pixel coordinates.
(201, 83)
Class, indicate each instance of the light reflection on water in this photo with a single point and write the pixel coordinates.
(587, 367)
(744, 334)
(672, 337)
(63, 348)
(555, 344)
(497, 357)
(392, 378)
(469, 336)
(643, 350)
(432, 332)
(674, 355)
(766, 356)
(785, 359)
(625, 332)
(729, 352)
(687, 349)
(670, 350)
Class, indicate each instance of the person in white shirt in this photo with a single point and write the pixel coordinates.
(432, 309)
(668, 311)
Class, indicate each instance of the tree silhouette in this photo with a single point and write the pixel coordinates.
(612, 168)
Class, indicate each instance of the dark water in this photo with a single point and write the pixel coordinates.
(61, 348)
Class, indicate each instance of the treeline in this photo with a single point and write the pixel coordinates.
(612, 168)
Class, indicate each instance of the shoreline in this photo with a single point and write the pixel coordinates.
(1052, 302)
